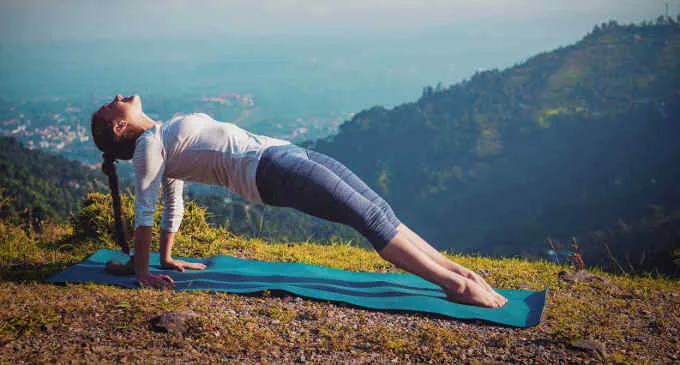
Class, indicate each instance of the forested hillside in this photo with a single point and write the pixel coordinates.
(42, 186)
(580, 141)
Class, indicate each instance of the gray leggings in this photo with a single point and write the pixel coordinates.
(316, 184)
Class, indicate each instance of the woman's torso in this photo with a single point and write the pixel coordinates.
(197, 148)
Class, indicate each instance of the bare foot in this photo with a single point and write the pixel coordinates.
(480, 281)
(467, 273)
(467, 291)
(474, 277)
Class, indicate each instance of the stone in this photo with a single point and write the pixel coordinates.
(590, 345)
(174, 322)
(582, 276)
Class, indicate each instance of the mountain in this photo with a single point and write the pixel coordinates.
(580, 141)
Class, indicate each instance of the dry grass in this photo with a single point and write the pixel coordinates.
(636, 319)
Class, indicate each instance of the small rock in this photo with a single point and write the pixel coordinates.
(301, 359)
(583, 276)
(173, 322)
(297, 300)
(591, 345)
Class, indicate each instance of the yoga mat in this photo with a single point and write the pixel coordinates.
(381, 291)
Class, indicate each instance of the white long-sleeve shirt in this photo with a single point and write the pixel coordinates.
(193, 148)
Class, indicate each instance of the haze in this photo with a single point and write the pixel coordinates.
(47, 20)
(339, 56)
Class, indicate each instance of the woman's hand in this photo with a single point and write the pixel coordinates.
(180, 265)
(156, 281)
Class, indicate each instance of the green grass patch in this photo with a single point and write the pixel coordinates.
(637, 318)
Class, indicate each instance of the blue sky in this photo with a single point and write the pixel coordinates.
(49, 20)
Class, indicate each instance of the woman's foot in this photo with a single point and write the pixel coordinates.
(479, 280)
(444, 261)
(470, 275)
(465, 291)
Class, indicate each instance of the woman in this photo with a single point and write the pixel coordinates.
(199, 149)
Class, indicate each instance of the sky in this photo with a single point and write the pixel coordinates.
(379, 51)
(57, 20)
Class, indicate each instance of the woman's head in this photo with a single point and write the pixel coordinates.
(111, 126)
(115, 133)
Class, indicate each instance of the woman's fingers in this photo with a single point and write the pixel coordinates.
(157, 282)
(167, 279)
(180, 265)
(194, 266)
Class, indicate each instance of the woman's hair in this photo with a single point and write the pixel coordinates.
(104, 138)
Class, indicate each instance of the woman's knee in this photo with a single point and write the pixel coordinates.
(377, 227)
(387, 210)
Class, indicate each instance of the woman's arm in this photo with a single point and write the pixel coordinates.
(167, 241)
(170, 222)
(142, 247)
(149, 167)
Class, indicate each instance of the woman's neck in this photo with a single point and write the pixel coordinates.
(147, 122)
(140, 126)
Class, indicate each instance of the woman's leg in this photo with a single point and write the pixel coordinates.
(442, 260)
(405, 255)
(355, 182)
(289, 178)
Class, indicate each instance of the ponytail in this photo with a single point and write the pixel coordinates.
(113, 148)
(109, 169)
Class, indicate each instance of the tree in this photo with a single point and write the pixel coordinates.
(427, 91)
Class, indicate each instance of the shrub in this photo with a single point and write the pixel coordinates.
(95, 220)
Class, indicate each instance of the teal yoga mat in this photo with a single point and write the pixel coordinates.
(381, 291)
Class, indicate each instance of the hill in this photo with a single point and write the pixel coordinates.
(43, 186)
(612, 318)
(578, 142)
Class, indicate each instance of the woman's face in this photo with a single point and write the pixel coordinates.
(121, 108)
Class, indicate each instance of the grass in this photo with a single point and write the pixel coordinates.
(637, 318)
